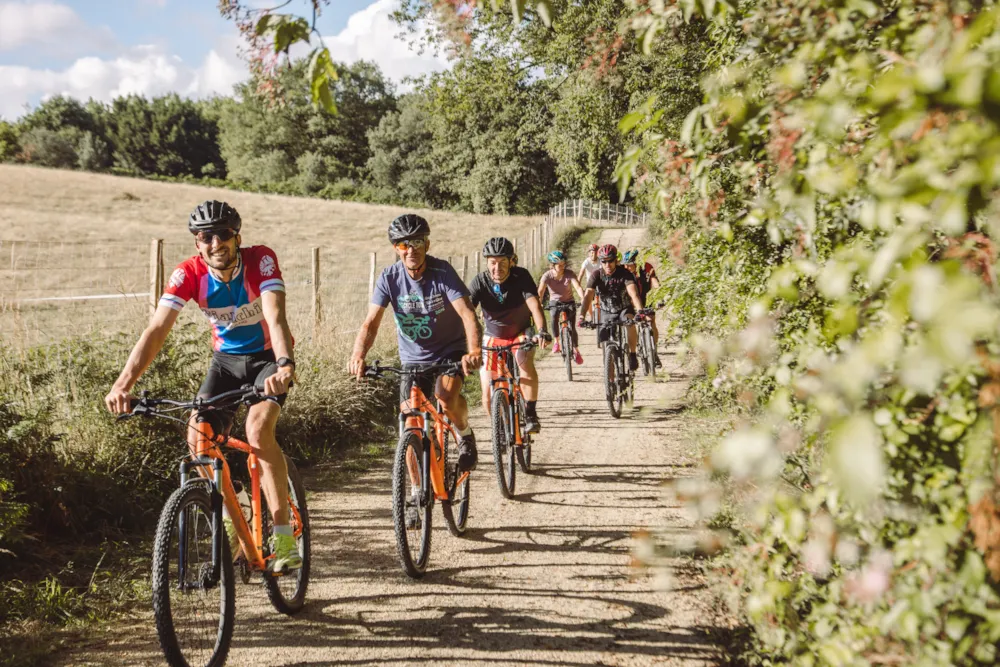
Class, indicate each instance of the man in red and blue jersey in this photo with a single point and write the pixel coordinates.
(242, 293)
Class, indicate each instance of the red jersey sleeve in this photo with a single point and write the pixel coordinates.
(263, 269)
(181, 286)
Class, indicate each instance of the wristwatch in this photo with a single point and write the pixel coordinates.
(285, 361)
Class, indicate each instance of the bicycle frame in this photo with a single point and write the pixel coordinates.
(509, 380)
(208, 453)
(420, 418)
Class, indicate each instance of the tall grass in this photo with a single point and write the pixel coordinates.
(78, 490)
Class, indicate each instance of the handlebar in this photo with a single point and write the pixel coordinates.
(521, 344)
(377, 371)
(147, 406)
(564, 305)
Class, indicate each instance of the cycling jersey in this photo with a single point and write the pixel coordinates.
(644, 281)
(505, 307)
(613, 289)
(234, 309)
(588, 267)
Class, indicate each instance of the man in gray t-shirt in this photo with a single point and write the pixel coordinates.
(435, 324)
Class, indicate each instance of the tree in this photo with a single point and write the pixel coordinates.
(9, 145)
(253, 132)
(167, 136)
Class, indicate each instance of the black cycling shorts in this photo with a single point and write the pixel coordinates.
(427, 380)
(231, 371)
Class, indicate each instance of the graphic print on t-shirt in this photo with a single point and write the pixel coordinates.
(413, 314)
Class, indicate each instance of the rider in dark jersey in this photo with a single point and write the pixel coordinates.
(619, 295)
(646, 281)
(509, 299)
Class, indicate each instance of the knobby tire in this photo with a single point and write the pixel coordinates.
(413, 566)
(282, 602)
(503, 443)
(196, 492)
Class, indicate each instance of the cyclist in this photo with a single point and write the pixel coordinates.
(435, 324)
(619, 296)
(588, 268)
(509, 299)
(560, 282)
(242, 293)
(646, 281)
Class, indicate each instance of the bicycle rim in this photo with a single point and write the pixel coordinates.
(194, 617)
(287, 592)
(650, 351)
(413, 543)
(502, 442)
(611, 380)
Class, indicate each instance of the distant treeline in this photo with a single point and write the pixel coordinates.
(488, 136)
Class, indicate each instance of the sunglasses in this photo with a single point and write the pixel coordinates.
(223, 236)
(416, 244)
(608, 261)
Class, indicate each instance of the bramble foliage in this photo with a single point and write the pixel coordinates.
(831, 207)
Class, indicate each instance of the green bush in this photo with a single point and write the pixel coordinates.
(830, 212)
(50, 148)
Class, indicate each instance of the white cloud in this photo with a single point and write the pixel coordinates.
(57, 27)
(145, 70)
(151, 70)
(371, 35)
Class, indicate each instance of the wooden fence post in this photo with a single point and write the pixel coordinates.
(155, 271)
(371, 275)
(478, 269)
(317, 304)
(13, 257)
(465, 268)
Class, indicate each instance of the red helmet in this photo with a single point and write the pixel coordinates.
(607, 251)
(593, 246)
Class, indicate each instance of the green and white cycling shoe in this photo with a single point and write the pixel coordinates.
(286, 554)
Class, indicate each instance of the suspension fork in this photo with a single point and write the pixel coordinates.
(425, 459)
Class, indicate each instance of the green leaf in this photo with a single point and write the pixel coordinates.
(263, 24)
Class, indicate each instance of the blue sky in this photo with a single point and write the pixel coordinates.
(104, 48)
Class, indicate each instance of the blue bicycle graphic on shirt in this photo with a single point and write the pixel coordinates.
(414, 327)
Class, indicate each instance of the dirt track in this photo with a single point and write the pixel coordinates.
(544, 579)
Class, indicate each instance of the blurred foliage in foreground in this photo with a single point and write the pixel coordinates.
(831, 210)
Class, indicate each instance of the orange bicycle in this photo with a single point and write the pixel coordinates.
(510, 440)
(194, 601)
(425, 469)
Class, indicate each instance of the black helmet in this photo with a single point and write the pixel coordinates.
(408, 226)
(213, 216)
(498, 246)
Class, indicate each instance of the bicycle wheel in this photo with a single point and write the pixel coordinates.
(503, 443)
(288, 591)
(641, 349)
(566, 340)
(649, 347)
(413, 542)
(194, 616)
(611, 391)
(456, 508)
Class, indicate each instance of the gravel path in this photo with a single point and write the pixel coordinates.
(544, 579)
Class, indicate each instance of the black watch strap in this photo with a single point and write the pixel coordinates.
(285, 361)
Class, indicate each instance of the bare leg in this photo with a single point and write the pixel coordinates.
(261, 420)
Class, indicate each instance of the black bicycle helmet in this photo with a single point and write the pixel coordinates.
(408, 226)
(214, 216)
(498, 246)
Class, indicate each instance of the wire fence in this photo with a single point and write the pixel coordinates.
(55, 290)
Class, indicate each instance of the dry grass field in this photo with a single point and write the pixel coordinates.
(67, 233)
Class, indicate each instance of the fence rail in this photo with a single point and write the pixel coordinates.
(50, 290)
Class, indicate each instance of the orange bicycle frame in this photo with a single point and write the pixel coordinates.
(251, 537)
(505, 380)
(416, 419)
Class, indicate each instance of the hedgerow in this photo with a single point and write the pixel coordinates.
(830, 210)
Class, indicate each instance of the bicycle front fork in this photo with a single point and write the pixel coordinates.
(218, 531)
